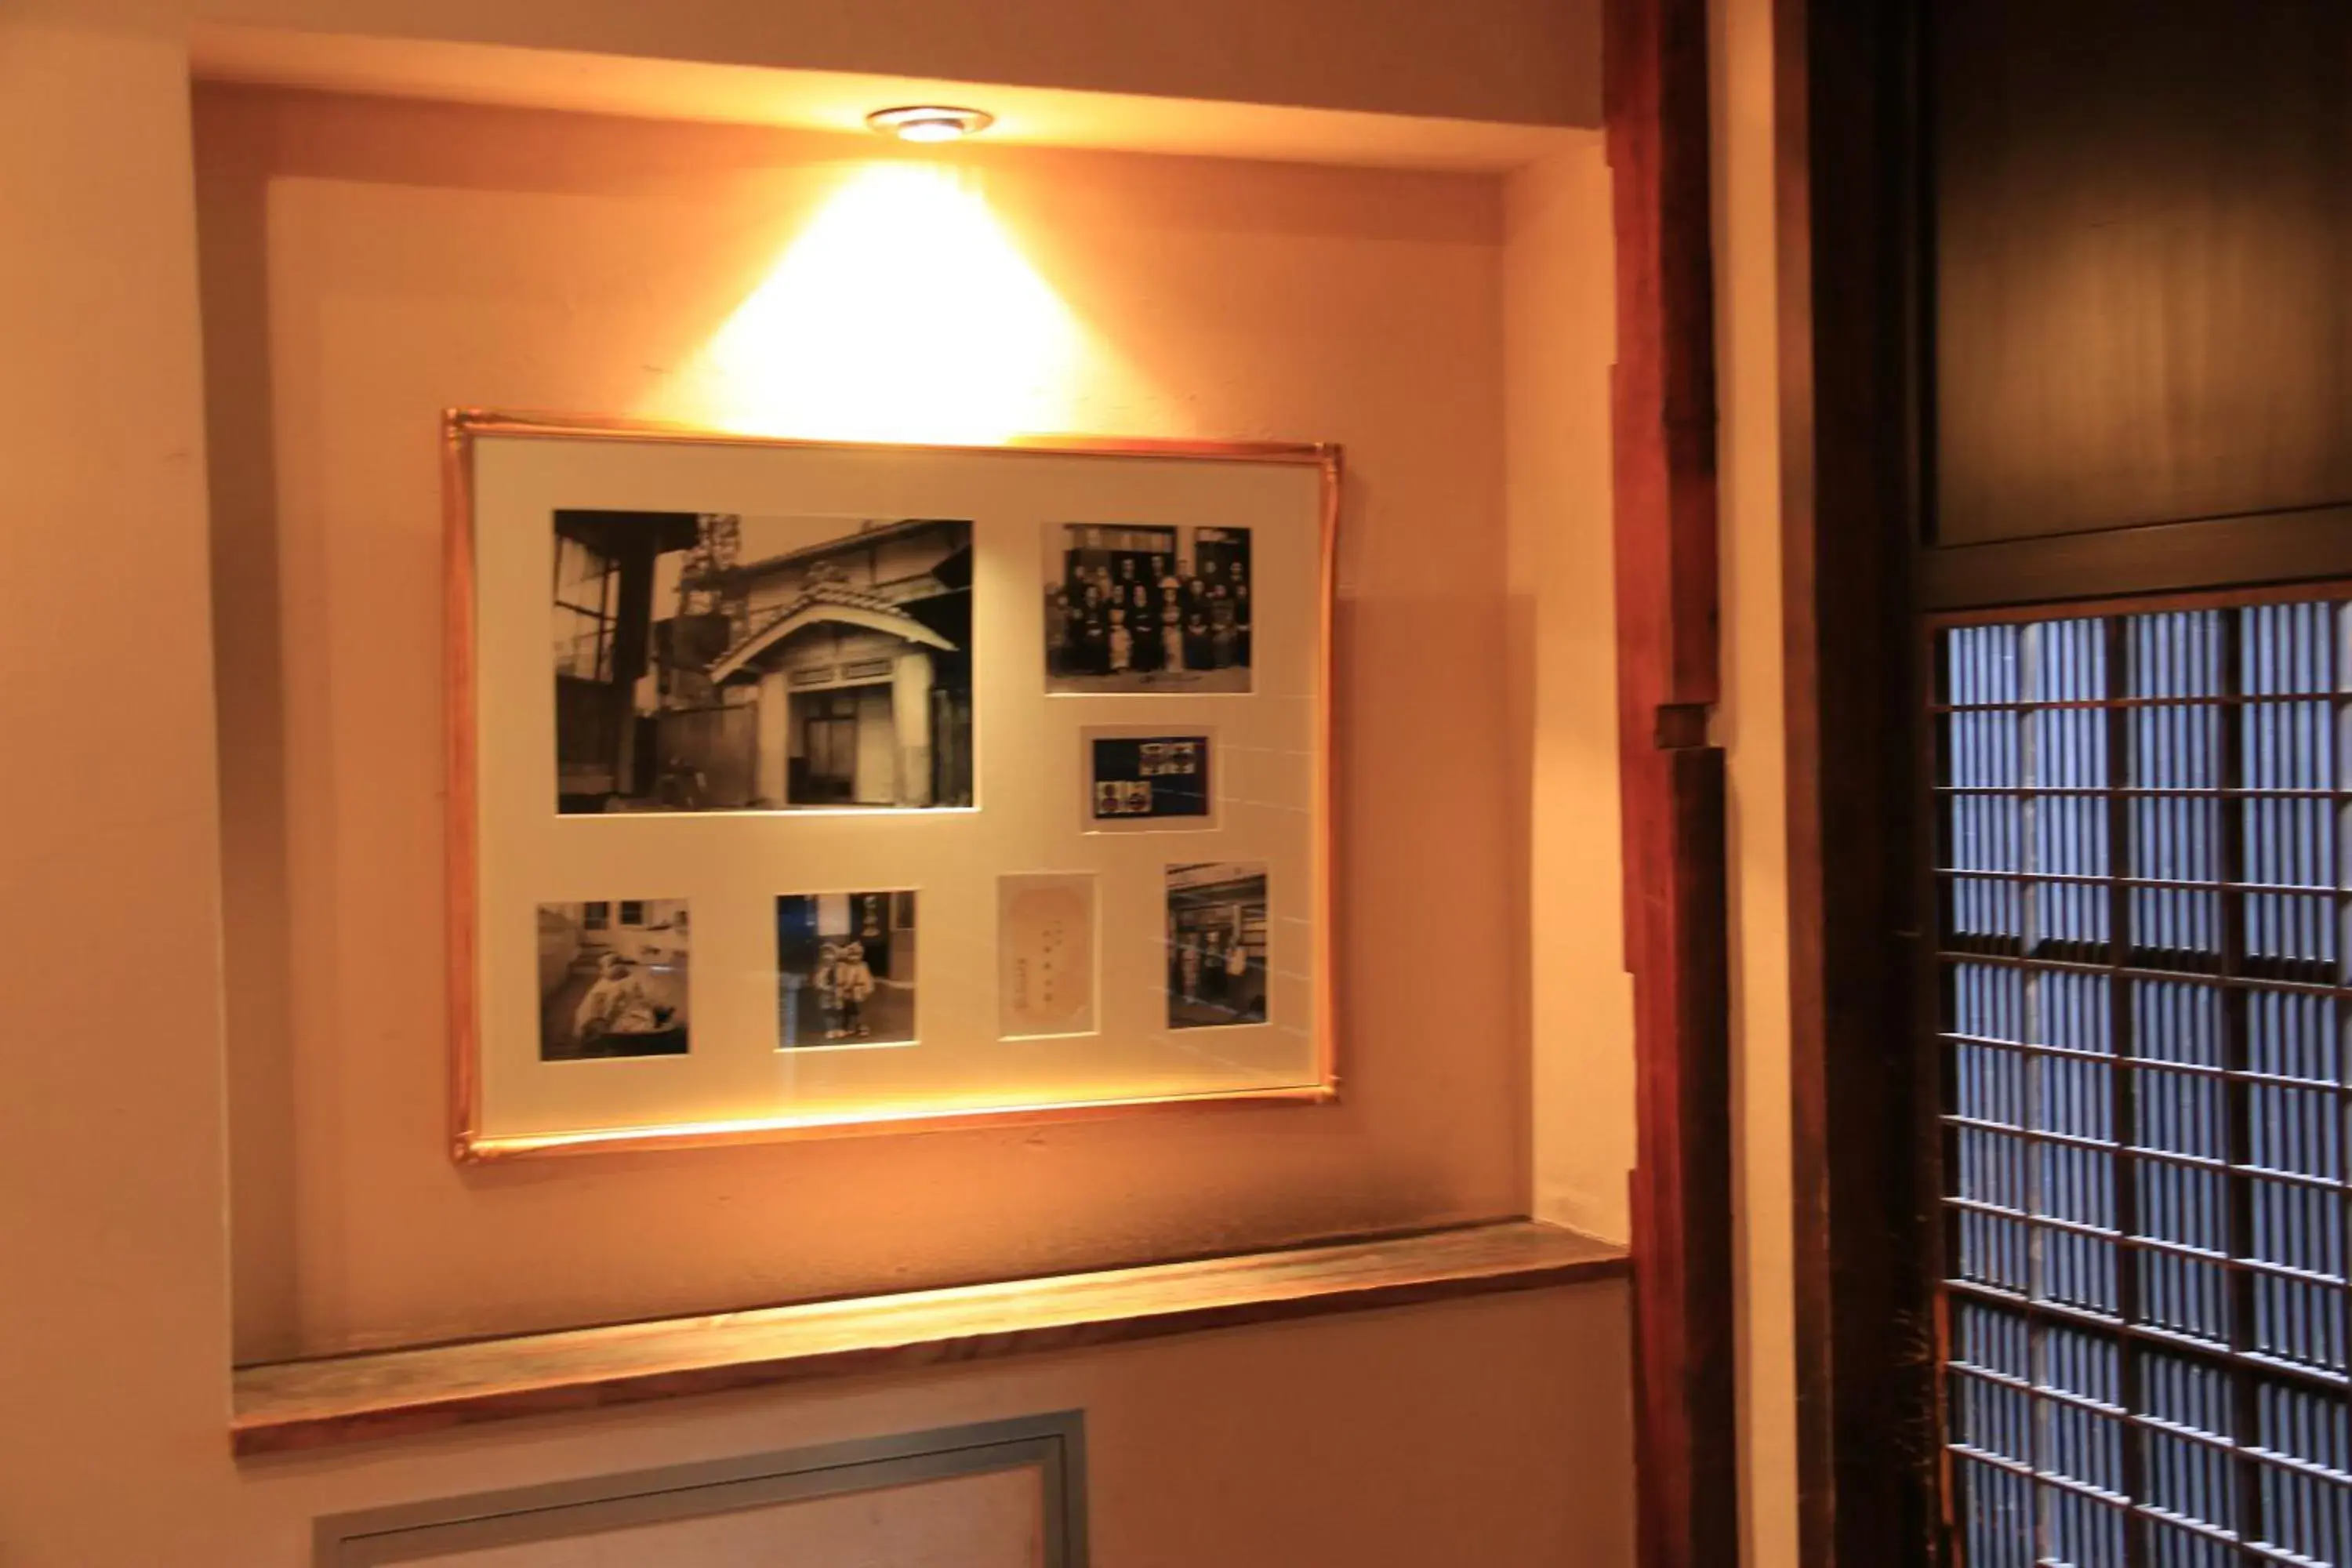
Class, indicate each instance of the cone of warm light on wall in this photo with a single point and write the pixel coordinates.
(899, 307)
(929, 122)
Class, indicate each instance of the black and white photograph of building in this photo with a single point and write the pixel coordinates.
(613, 979)
(1133, 608)
(844, 969)
(1216, 945)
(712, 662)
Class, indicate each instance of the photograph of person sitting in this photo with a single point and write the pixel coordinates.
(613, 979)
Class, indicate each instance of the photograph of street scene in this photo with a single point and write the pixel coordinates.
(1216, 945)
(712, 662)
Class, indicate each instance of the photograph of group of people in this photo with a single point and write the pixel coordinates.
(1132, 607)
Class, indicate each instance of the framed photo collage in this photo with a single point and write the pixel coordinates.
(880, 787)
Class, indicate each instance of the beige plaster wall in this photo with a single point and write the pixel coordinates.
(113, 1256)
(1558, 302)
(1494, 1428)
(1750, 726)
(1534, 61)
(369, 263)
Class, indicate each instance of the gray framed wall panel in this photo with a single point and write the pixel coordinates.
(2140, 237)
(488, 1523)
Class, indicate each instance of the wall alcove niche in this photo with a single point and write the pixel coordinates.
(388, 230)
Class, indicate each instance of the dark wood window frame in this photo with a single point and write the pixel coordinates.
(1866, 1346)
(2136, 917)
(1858, 577)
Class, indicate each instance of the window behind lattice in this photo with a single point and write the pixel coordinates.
(2143, 992)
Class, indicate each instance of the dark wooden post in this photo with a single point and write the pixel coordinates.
(1672, 782)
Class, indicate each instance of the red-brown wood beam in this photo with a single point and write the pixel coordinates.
(1672, 781)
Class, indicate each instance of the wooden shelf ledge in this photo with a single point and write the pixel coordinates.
(313, 1403)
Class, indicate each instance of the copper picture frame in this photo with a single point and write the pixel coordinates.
(477, 1135)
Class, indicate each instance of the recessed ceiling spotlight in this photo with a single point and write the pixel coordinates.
(929, 122)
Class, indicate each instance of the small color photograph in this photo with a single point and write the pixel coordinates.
(1131, 607)
(1143, 781)
(844, 969)
(1216, 945)
(715, 662)
(613, 979)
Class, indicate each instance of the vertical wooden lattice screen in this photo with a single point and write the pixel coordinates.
(2143, 902)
